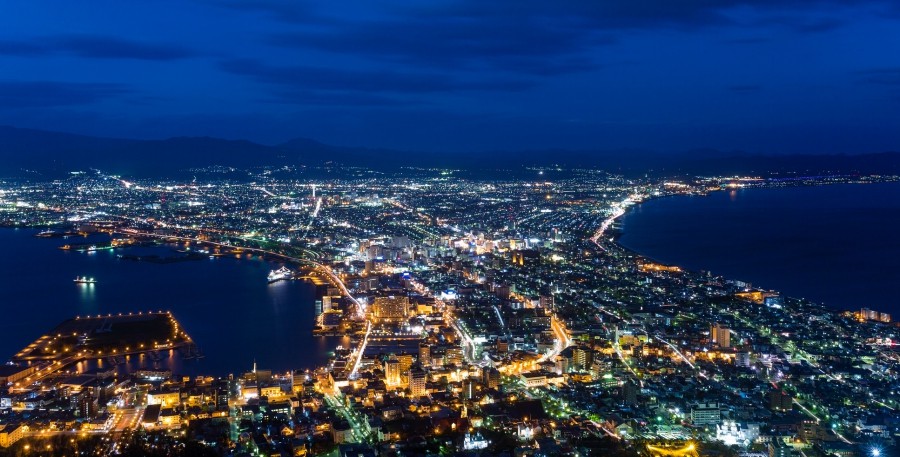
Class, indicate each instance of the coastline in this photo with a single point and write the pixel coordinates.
(613, 236)
(111, 295)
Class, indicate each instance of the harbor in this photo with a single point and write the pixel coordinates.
(102, 337)
(217, 299)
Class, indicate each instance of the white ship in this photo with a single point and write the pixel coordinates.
(84, 280)
(279, 274)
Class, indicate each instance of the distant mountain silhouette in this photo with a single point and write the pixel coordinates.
(55, 153)
(38, 153)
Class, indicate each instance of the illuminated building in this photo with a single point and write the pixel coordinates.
(732, 433)
(10, 433)
(534, 379)
(391, 308)
(490, 377)
(582, 357)
(778, 448)
(417, 378)
(392, 371)
(720, 335)
(424, 354)
(454, 356)
(867, 314)
(703, 414)
(525, 257)
(406, 362)
(474, 441)
(742, 359)
(12, 374)
(468, 390)
(223, 393)
(166, 399)
(341, 432)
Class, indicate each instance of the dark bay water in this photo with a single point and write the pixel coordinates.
(837, 244)
(224, 304)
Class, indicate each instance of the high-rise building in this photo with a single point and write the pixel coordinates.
(704, 414)
(582, 357)
(406, 362)
(720, 335)
(454, 356)
(468, 389)
(424, 354)
(223, 393)
(391, 308)
(392, 371)
(417, 377)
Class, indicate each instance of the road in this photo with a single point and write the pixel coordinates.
(561, 336)
(335, 279)
(128, 418)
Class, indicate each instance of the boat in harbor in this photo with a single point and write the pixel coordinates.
(280, 274)
(84, 280)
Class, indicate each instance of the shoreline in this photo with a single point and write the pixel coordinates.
(114, 308)
(616, 235)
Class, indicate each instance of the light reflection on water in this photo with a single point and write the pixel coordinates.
(836, 244)
(226, 305)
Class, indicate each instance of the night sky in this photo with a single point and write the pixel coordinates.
(764, 76)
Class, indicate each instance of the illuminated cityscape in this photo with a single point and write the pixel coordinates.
(481, 314)
(474, 228)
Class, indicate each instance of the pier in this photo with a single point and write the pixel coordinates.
(101, 336)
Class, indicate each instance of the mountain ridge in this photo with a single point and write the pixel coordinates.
(53, 153)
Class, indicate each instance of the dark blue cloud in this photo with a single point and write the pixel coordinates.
(40, 94)
(648, 14)
(535, 46)
(367, 81)
(95, 47)
(463, 74)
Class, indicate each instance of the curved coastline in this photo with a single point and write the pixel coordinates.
(615, 236)
(193, 294)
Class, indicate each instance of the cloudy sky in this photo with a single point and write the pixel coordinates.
(768, 76)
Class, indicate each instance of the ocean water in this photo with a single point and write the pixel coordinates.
(225, 304)
(834, 244)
